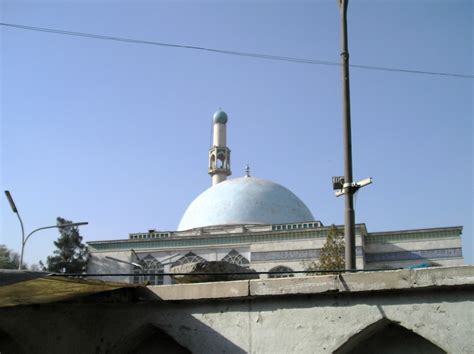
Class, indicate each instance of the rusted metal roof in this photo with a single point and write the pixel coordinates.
(27, 288)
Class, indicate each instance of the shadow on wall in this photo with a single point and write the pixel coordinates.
(173, 329)
(8, 345)
(388, 337)
(149, 339)
(102, 323)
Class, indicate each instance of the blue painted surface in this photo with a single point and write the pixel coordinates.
(220, 117)
(420, 265)
(246, 200)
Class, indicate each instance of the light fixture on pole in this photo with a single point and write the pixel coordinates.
(25, 239)
(15, 210)
(339, 186)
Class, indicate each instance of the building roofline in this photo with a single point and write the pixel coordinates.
(175, 234)
(413, 231)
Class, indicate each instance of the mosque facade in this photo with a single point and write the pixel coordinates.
(262, 225)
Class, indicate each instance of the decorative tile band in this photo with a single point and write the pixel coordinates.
(176, 242)
(307, 254)
(277, 227)
(410, 255)
(385, 237)
(285, 255)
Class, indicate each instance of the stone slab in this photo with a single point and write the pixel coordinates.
(218, 290)
(402, 279)
(300, 285)
(372, 281)
(443, 276)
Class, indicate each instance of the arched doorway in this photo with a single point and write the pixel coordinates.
(388, 337)
(149, 339)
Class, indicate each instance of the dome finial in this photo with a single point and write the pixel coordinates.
(220, 117)
(247, 170)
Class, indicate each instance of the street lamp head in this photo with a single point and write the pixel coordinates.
(12, 203)
(137, 265)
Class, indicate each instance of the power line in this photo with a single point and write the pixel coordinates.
(322, 271)
(231, 52)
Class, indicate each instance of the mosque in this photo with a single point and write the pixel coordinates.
(262, 225)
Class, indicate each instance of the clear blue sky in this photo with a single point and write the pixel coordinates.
(117, 134)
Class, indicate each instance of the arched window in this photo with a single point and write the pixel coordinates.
(281, 275)
(235, 257)
(221, 159)
(189, 257)
(387, 334)
(213, 162)
(152, 266)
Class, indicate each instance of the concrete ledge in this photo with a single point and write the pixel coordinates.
(347, 282)
(443, 276)
(218, 290)
(300, 285)
(403, 279)
(372, 281)
(366, 281)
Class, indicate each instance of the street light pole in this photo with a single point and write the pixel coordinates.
(25, 239)
(42, 228)
(349, 214)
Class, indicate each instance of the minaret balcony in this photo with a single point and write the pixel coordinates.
(213, 171)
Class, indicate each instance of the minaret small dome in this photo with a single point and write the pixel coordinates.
(220, 117)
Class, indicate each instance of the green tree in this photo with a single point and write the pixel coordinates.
(71, 254)
(8, 258)
(331, 256)
(36, 267)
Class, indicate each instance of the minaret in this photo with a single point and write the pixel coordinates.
(219, 153)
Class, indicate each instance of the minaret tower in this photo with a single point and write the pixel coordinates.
(219, 153)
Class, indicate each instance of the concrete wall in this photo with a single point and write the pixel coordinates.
(430, 307)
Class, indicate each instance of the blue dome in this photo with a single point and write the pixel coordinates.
(245, 200)
(220, 117)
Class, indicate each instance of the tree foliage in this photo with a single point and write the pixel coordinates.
(331, 256)
(8, 258)
(71, 254)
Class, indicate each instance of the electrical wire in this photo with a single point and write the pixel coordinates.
(231, 52)
(337, 271)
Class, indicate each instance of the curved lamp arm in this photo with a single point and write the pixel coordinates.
(54, 226)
